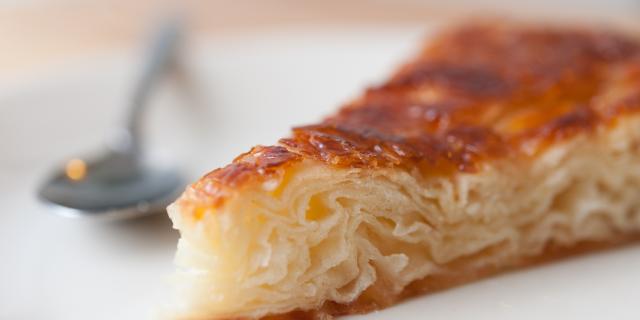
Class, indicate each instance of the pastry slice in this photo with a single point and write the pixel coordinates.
(497, 146)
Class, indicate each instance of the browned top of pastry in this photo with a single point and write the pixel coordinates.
(477, 92)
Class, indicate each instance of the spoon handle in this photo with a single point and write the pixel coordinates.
(161, 55)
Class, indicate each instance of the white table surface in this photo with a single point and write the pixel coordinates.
(250, 90)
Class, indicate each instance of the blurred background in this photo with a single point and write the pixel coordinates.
(39, 33)
(249, 71)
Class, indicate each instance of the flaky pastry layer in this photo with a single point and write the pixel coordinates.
(496, 143)
(318, 234)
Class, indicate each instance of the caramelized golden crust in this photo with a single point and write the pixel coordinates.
(259, 163)
(475, 93)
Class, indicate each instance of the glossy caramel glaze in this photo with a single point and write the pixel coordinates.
(218, 184)
(478, 92)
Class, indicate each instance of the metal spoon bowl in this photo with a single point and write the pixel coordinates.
(118, 184)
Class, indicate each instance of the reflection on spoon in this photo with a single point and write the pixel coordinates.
(118, 185)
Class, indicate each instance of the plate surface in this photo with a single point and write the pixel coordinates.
(249, 90)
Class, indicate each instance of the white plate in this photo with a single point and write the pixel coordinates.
(252, 88)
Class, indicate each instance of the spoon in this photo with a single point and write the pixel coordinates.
(119, 185)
